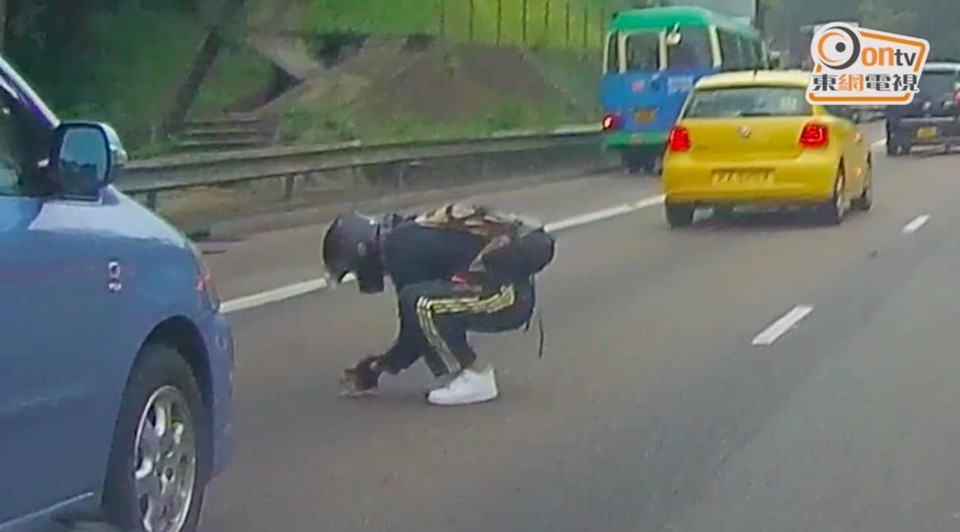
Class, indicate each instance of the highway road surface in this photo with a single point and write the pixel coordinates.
(765, 375)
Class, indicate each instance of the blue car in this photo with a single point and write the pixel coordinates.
(652, 60)
(116, 367)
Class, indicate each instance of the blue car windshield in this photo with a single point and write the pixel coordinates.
(692, 52)
(643, 51)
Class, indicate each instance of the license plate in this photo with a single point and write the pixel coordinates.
(644, 115)
(741, 176)
(926, 132)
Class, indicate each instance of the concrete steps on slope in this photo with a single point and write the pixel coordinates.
(230, 132)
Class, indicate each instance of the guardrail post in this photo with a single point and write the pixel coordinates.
(401, 174)
(482, 165)
(288, 186)
(404, 171)
(153, 200)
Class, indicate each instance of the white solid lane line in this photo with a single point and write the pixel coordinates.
(314, 285)
(280, 294)
(598, 216)
(273, 296)
(916, 224)
(780, 327)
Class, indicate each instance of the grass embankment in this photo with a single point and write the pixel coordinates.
(468, 88)
(455, 91)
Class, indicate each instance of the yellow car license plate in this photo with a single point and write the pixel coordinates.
(926, 132)
(644, 115)
(722, 177)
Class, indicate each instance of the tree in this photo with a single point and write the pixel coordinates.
(203, 61)
(3, 22)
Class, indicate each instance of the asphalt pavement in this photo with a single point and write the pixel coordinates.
(766, 374)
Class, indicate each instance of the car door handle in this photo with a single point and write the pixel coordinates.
(114, 284)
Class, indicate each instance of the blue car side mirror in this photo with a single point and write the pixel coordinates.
(81, 159)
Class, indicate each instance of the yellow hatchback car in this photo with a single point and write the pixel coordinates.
(751, 138)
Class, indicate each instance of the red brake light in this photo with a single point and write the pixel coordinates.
(610, 122)
(679, 139)
(814, 136)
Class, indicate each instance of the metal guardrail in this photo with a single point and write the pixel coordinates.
(163, 174)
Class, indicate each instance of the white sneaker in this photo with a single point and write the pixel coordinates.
(470, 386)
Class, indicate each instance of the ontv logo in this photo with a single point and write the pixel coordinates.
(860, 66)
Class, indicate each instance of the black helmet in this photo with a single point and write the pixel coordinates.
(351, 245)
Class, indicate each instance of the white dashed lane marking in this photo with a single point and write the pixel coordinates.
(914, 225)
(780, 327)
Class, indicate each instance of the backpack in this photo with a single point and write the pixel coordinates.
(517, 247)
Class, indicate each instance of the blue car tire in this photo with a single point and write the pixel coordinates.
(162, 435)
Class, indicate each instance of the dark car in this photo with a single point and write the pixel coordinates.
(933, 118)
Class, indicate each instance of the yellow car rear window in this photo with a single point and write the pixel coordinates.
(747, 101)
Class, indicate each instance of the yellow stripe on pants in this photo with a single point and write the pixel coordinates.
(428, 308)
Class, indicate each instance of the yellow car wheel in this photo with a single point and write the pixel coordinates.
(835, 209)
(865, 200)
(679, 215)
